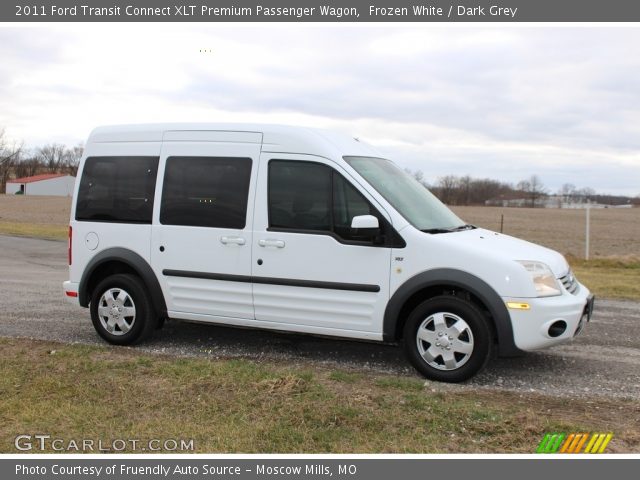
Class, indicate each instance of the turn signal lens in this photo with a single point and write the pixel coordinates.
(519, 305)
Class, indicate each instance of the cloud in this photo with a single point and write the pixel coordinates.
(504, 102)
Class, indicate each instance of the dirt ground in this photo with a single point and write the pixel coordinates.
(614, 232)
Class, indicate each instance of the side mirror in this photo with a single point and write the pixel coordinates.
(365, 226)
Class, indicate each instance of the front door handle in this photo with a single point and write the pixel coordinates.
(271, 243)
(232, 240)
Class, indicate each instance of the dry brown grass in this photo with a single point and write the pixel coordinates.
(76, 391)
(35, 209)
(614, 231)
(42, 217)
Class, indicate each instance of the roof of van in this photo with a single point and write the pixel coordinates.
(274, 138)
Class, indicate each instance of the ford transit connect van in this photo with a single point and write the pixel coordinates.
(306, 231)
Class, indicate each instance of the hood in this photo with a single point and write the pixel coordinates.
(488, 243)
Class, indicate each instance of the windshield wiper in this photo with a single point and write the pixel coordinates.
(466, 226)
(449, 230)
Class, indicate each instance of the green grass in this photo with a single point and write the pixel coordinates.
(76, 392)
(617, 277)
(36, 230)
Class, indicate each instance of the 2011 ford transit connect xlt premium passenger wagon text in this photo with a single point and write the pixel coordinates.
(301, 230)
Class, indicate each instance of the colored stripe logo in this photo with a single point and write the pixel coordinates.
(574, 443)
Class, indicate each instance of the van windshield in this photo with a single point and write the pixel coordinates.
(408, 196)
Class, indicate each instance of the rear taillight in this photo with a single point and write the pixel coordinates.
(70, 242)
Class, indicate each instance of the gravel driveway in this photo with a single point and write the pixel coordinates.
(603, 361)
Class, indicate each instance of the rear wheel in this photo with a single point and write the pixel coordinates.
(121, 310)
(447, 339)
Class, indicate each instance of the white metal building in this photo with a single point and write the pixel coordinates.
(57, 184)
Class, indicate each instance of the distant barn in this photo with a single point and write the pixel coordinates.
(49, 184)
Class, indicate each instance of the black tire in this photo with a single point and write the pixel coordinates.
(142, 324)
(476, 337)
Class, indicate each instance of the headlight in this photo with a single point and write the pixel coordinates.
(543, 279)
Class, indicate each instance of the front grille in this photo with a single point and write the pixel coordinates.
(570, 283)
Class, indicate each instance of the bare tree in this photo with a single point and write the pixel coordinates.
(28, 166)
(567, 192)
(52, 156)
(9, 156)
(534, 189)
(585, 194)
(447, 187)
(72, 159)
(419, 176)
(484, 190)
(464, 189)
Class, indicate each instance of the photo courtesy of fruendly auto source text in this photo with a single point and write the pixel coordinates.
(307, 239)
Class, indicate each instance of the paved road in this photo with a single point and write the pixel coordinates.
(604, 360)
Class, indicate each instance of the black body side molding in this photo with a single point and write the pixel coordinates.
(290, 282)
(453, 278)
(135, 262)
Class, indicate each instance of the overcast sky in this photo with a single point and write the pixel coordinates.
(503, 102)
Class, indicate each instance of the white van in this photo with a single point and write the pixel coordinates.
(301, 230)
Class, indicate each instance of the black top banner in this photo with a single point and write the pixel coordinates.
(320, 11)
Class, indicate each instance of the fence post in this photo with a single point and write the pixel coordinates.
(501, 223)
(586, 233)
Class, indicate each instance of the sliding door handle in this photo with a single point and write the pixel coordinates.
(232, 240)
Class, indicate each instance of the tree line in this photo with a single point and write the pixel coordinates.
(16, 161)
(529, 192)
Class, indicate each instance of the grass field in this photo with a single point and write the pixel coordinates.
(615, 232)
(614, 270)
(73, 391)
(43, 217)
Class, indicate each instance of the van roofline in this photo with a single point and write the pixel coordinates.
(275, 137)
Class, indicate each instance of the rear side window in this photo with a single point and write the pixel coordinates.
(206, 192)
(117, 189)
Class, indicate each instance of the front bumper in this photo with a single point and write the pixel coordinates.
(71, 292)
(550, 320)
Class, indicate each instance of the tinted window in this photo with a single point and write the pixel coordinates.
(348, 203)
(117, 189)
(299, 195)
(206, 192)
(314, 197)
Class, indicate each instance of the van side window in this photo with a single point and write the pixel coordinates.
(299, 195)
(117, 189)
(348, 203)
(309, 196)
(206, 192)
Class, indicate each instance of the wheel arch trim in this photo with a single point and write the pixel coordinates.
(132, 260)
(446, 277)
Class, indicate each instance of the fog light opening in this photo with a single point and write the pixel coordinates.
(557, 328)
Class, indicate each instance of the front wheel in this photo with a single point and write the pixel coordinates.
(121, 310)
(447, 339)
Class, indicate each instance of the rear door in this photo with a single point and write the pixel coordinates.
(201, 238)
(310, 273)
